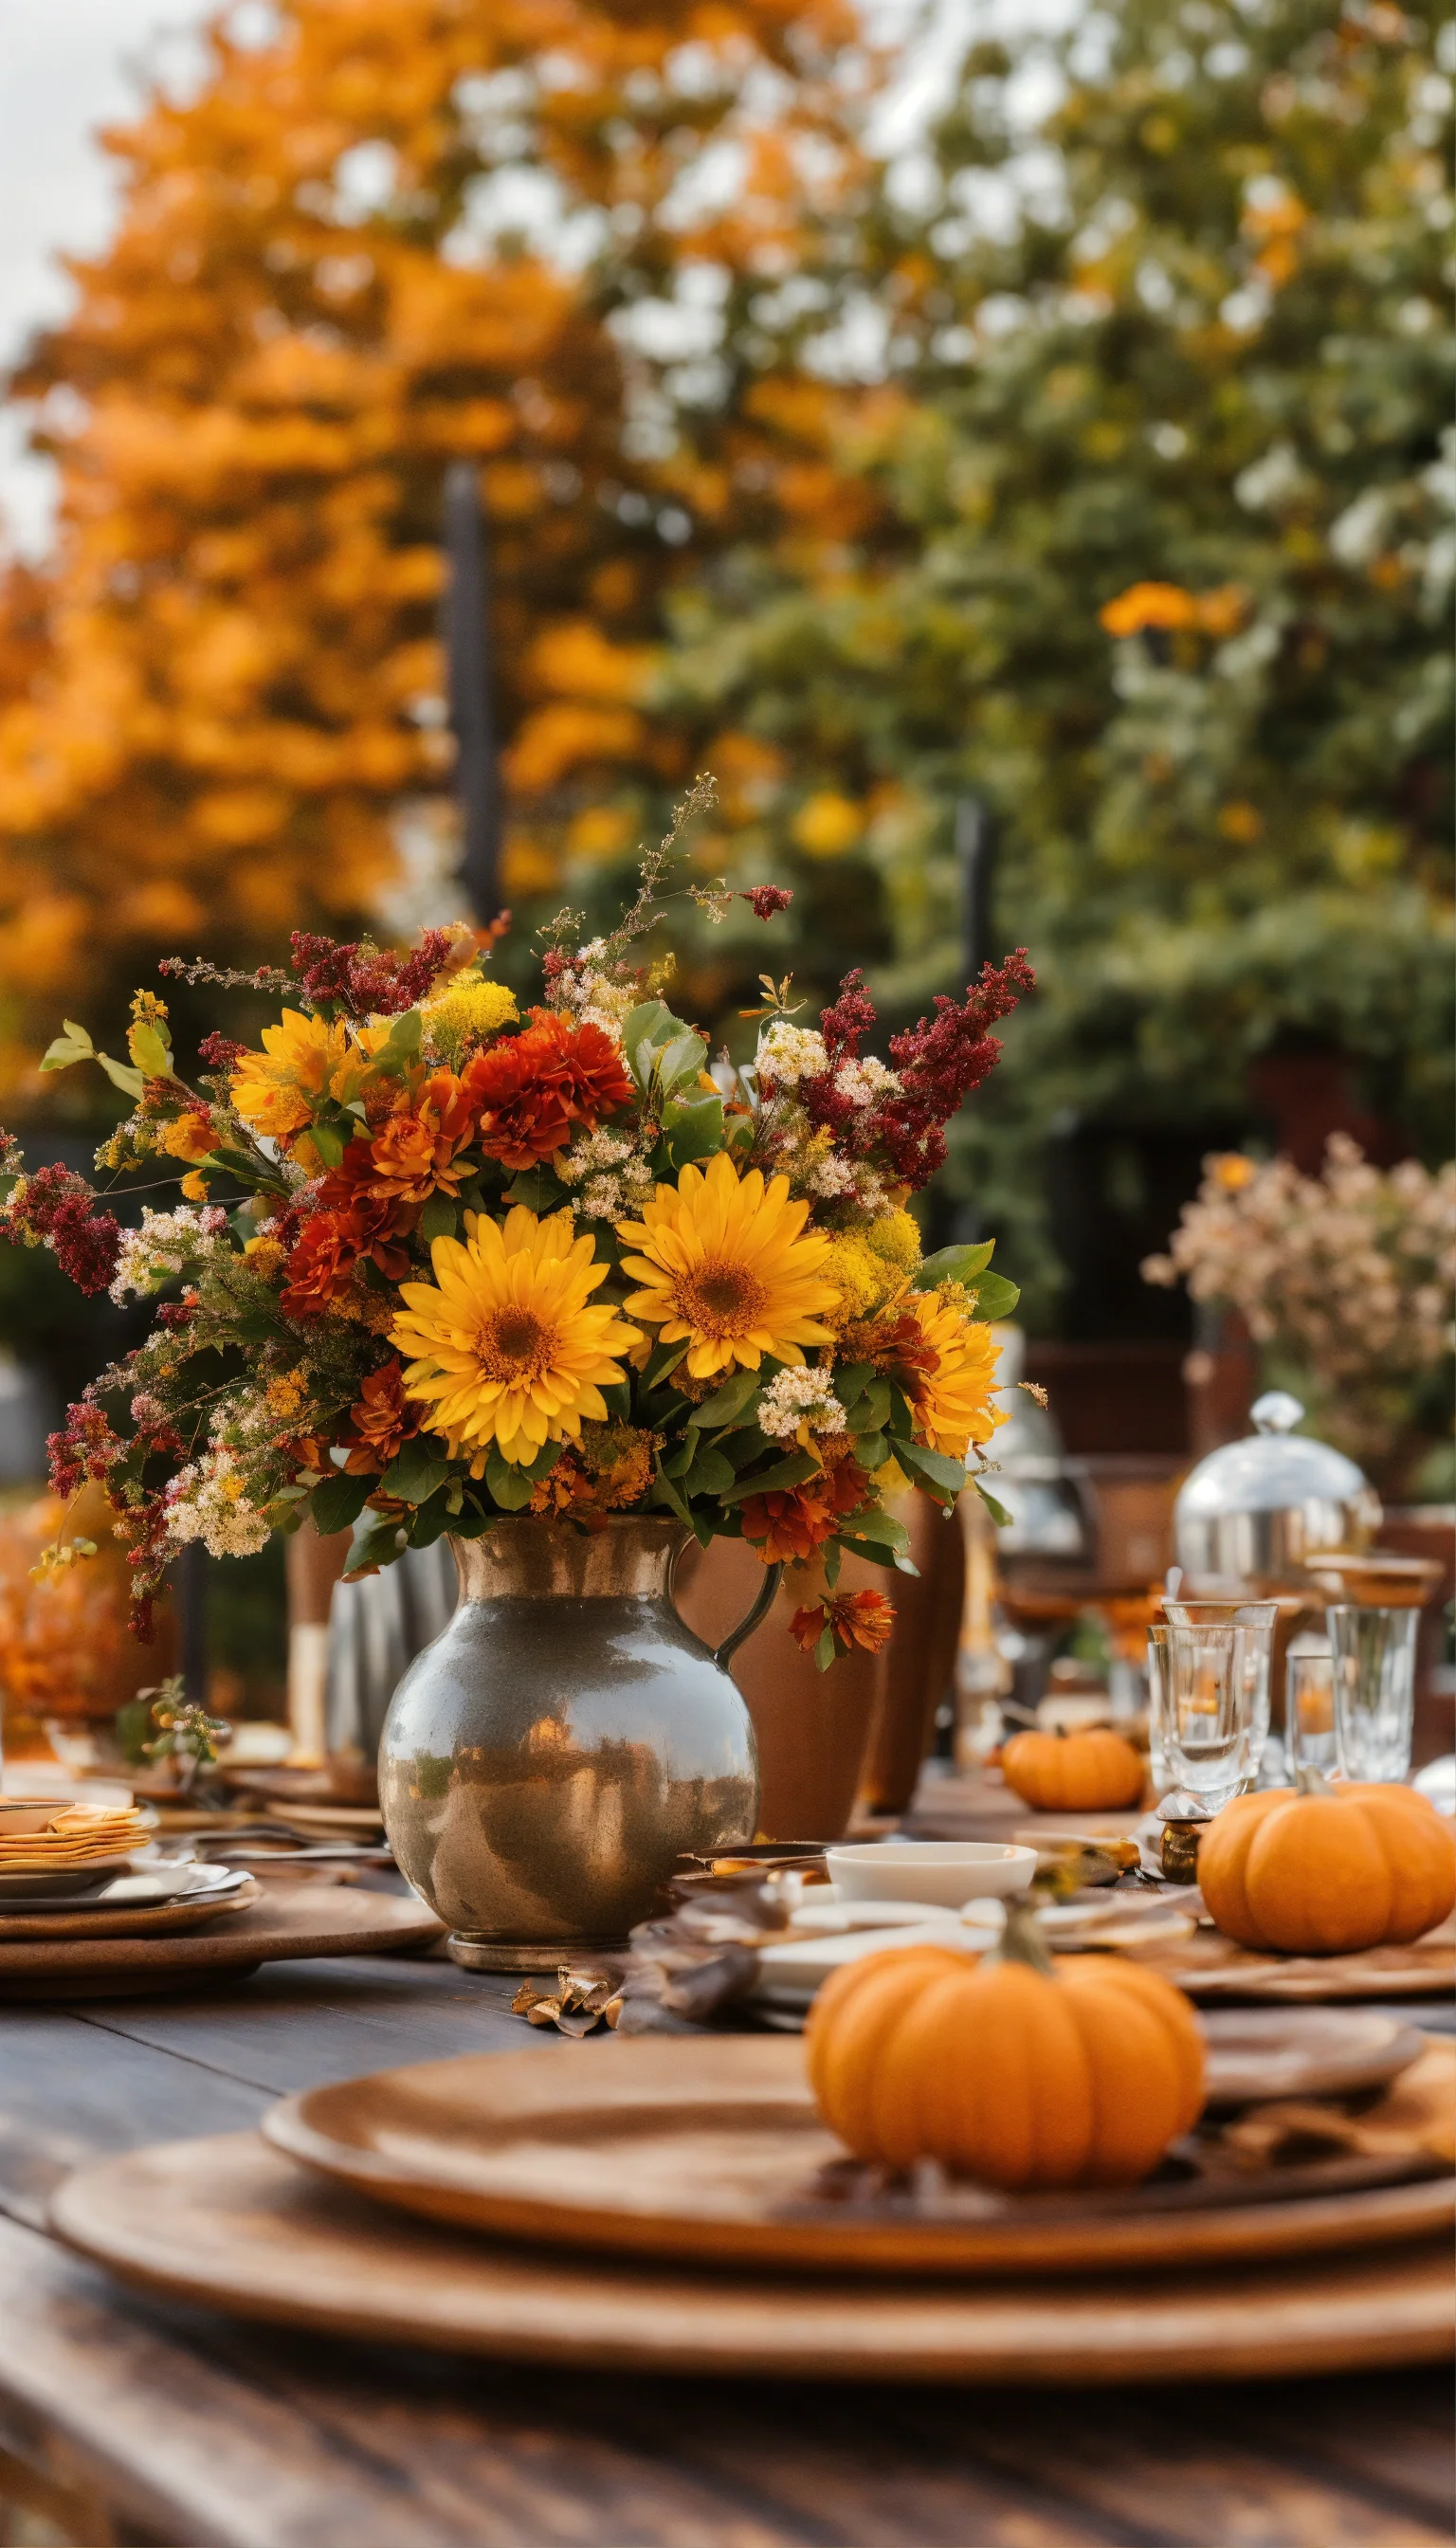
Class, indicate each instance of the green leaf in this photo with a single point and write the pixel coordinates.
(998, 1512)
(851, 1382)
(119, 1074)
(877, 1400)
(431, 1520)
(616, 1398)
(946, 1475)
(375, 1546)
(440, 1219)
(692, 1129)
(880, 1529)
(414, 1476)
(709, 1475)
(331, 1142)
(872, 1450)
(472, 1197)
(729, 1405)
(543, 1463)
(510, 1485)
(824, 1648)
(338, 1503)
(538, 1190)
(676, 1463)
(253, 1326)
(645, 1030)
(784, 1473)
(994, 1297)
(682, 1059)
(952, 1265)
(401, 1047)
(669, 1495)
(74, 1045)
(832, 1561)
(662, 1360)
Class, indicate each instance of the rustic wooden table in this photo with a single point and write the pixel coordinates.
(127, 2420)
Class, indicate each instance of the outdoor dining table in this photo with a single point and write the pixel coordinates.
(124, 2419)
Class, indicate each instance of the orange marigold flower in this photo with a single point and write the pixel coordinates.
(852, 1618)
(791, 1522)
(1148, 605)
(382, 1420)
(191, 1136)
(530, 1090)
(566, 1489)
(321, 1267)
(414, 1153)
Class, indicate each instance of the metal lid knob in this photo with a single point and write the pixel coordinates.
(1277, 1411)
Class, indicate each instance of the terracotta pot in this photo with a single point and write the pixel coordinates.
(810, 1727)
(915, 1667)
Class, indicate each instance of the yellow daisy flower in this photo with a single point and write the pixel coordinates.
(277, 1090)
(955, 1407)
(724, 1263)
(508, 1347)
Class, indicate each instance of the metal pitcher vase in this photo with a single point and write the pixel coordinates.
(564, 1741)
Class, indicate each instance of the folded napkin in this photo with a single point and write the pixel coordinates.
(34, 1836)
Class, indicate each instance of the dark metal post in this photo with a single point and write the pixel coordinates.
(976, 851)
(467, 633)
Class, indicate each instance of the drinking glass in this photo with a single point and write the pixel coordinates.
(1374, 1688)
(1217, 1711)
(1157, 1709)
(1308, 1705)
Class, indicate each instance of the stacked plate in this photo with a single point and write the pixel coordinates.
(53, 1846)
(660, 2205)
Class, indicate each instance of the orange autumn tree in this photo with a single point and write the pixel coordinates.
(395, 233)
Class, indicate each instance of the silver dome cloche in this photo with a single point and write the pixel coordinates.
(1256, 1511)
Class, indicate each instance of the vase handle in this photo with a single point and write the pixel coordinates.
(723, 1655)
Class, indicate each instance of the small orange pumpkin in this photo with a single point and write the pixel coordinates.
(1078, 1773)
(1006, 2068)
(1328, 1869)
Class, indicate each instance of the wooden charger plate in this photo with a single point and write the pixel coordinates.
(283, 1924)
(1210, 1966)
(715, 2153)
(229, 2224)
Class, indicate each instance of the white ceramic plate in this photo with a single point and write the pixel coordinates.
(791, 1970)
(131, 1887)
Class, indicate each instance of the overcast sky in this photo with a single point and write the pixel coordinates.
(67, 67)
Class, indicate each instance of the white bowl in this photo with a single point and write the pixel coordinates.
(944, 1872)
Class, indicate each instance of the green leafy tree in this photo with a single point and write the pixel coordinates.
(1163, 575)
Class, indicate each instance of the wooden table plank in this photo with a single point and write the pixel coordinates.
(293, 2026)
(69, 2094)
(222, 2436)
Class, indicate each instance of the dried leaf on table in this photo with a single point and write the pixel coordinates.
(1416, 2117)
(585, 1997)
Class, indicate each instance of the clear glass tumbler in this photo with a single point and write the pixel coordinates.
(1216, 1674)
(1374, 1690)
(1158, 1764)
(1308, 1705)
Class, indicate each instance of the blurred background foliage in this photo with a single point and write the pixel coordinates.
(1074, 478)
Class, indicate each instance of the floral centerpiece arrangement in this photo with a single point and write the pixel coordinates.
(1347, 1282)
(436, 1264)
